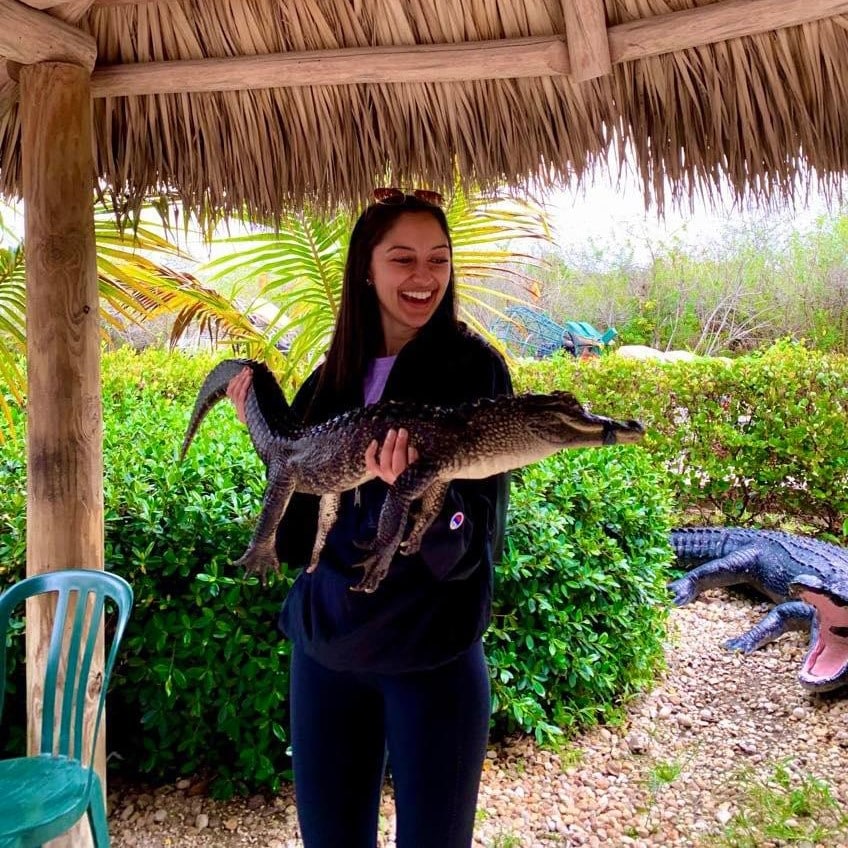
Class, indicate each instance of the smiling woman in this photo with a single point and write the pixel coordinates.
(403, 668)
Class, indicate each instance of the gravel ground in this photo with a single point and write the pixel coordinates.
(679, 770)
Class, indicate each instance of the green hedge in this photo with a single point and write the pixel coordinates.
(580, 597)
(203, 677)
(760, 435)
(580, 603)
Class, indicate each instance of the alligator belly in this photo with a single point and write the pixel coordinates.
(331, 482)
(476, 468)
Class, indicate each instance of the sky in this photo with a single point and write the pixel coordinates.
(613, 217)
(608, 219)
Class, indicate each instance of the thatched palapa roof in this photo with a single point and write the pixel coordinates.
(319, 101)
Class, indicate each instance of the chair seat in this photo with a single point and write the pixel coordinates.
(41, 797)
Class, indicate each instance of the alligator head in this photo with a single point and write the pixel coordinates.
(825, 664)
(560, 419)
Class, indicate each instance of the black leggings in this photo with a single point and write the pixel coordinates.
(433, 723)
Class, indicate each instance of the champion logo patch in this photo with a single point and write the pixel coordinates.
(456, 521)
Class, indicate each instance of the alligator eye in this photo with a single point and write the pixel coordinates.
(840, 631)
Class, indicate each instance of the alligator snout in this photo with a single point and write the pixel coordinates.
(622, 432)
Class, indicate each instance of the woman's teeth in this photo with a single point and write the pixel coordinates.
(421, 296)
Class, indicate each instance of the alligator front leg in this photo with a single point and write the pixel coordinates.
(792, 615)
(261, 554)
(431, 505)
(411, 484)
(328, 510)
(730, 570)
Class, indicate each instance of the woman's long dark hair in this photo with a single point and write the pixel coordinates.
(358, 336)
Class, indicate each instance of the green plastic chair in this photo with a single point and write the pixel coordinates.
(44, 795)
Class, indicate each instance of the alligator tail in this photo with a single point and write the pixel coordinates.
(214, 388)
(269, 416)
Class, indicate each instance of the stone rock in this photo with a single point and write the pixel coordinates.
(637, 742)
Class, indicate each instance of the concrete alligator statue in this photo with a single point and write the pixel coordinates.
(807, 578)
(464, 442)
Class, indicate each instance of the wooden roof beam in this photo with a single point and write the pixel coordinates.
(717, 22)
(67, 10)
(588, 43)
(28, 37)
(501, 59)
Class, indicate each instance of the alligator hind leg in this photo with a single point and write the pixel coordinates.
(792, 615)
(730, 570)
(431, 506)
(409, 486)
(261, 555)
(328, 510)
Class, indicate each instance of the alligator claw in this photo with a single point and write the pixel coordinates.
(683, 590)
(260, 562)
(375, 570)
(410, 547)
(739, 643)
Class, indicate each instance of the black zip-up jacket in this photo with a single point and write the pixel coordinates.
(431, 606)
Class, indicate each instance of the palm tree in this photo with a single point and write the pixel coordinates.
(292, 276)
(12, 324)
(133, 288)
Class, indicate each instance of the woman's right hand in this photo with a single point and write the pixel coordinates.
(393, 458)
(237, 392)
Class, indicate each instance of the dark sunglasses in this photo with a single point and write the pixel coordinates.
(396, 196)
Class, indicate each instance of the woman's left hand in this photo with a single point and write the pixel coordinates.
(393, 458)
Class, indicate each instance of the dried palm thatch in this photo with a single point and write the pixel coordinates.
(759, 116)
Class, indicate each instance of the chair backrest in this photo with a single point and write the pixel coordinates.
(81, 597)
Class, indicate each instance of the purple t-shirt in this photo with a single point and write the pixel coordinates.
(376, 376)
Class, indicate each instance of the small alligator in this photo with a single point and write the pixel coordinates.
(470, 441)
(807, 578)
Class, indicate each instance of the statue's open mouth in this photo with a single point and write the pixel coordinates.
(826, 662)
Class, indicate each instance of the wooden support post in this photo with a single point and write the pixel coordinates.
(586, 35)
(64, 419)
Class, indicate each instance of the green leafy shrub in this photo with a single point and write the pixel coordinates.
(761, 434)
(202, 681)
(580, 600)
(755, 284)
(203, 678)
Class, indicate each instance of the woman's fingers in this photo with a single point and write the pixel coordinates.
(389, 460)
(388, 453)
(371, 464)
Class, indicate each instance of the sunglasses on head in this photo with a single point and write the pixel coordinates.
(396, 196)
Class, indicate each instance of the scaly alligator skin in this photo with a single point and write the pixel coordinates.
(471, 441)
(807, 578)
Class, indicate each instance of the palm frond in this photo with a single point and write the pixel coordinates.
(298, 267)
